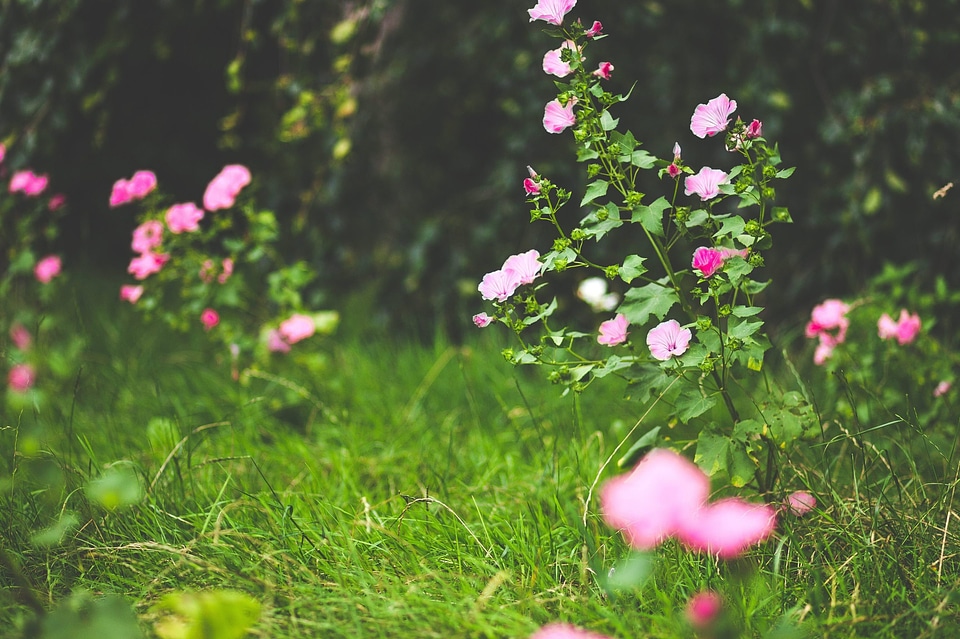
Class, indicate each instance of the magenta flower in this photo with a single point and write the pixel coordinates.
(142, 183)
(594, 30)
(754, 130)
(297, 327)
(499, 285)
(209, 318)
(482, 320)
(706, 183)
(942, 388)
(276, 343)
(531, 187)
(707, 260)
(28, 183)
(20, 336)
(557, 117)
(553, 63)
(799, 503)
(526, 266)
(713, 117)
(558, 630)
(147, 236)
(655, 501)
(551, 11)
(614, 331)
(183, 217)
(222, 191)
(131, 293)
(21, 378)
(47, 269)
(146, 264)
(56, 201)
(604, 70)
(667, 340)
(728, 527)
(673, 171)
(703, 608)
(904, 330)
(828, 315)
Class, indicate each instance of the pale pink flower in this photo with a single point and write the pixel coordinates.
(823, 352)
(297, 327)
(830, 315)
(942, 388)
(275, 342)
(703, 608)
(706, 183)
(47, 268)
(184, 217)
(227, 270)
(800, 502)
(142, 183)
(20, 336)
(557, 117)
(886, 327)
(147, 236)
(526, 266)
(905, 329)
(754, 130)
(499, 285)
(594, 30)
(613, 331)
(531, 186)
(28, 183)
(727, 252)
(131, 293)
(659, 498)
(551, 11)
(209, 318)
(728, 527)
(482, 320)
(707, 260)
(713, 117)
(553, 63)
(146, 264)
(676, 152)
(667, 340)
(56, 201)
(222, 191)
(557, 630)
(604, 70)
(21, 378)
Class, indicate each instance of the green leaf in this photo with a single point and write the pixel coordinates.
(586, 153)
(785, 173)
(630, 573)
(781, 214)
(730, 226)
(213, 614)
(632, 268)
(608, 122)
(83, 617)
(711, 453)
(641, 446)
(642, 160)
(651, 217)
(652, 299)
(692, 405)
(745, 311)
(742, 329)
(117, 486)
(740, 466)
(697, 218)
(594, 190)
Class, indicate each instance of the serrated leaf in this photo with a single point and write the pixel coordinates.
(651, 216)
(608, 122)
(692, 405)
(741, 468)
(632, 268)
(594, 190)
(586, 153)
(731, 226)
(743, 329)
(642, 160)
(651, 299)
(711, 455)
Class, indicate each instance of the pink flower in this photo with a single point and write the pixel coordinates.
(120, 193)
(296, 328)
(706, 183)
(703, 608)
(713, 117)
(828, 315)
(754, 130)
(614, 331)
(20, 336)
(676, 152)
(823, 352)
(142, 183)
(47, 269)
(222, 191)
(667, 340)
(206, 271)
(56, 201)
(499, 285)
(557, 117)
(147, 236)
(275, 342)
(3, 152)
(799, 503)
(209, 318)
(21, 378)
(526, 266)
(604, 70)
(594, 30)
(553, 63)
(655, 501)
(130, 293)
(184, 217)
(146, 264)
(707, 260)
(227, 270)
(482, 320)
(905, 329)
(551, 11)
(558, 630)
(531, 186)
(942, 388)
(28, 183)
(673, 171)
(728, 527)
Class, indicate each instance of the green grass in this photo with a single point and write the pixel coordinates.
(375, 487)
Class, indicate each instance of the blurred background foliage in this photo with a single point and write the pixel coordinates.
(391, 136)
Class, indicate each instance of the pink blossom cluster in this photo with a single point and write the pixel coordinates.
(709, 260)
(222, 191)
(47, 268)
(21, 376)
(828, 323)
(666, 496)
(516, 271)
(28, 183)
(295, 328)
(904, 329)
(136, 188)
(147, 237)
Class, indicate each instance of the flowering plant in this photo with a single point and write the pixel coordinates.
(688, 329)
(216, 268)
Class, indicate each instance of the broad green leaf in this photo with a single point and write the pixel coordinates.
(642, 160)
(697, 218)
(586, 153)
(741, 329)
(730, 226)
(692, 404)
(741, 468)
(594, 190)
(745, 311)
(711, 453)
(785, 173)
(632, 268)
(608, 122)
(651, 216)
(651, 299)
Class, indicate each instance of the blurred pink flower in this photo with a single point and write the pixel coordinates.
(829, 324)
(28, 183)
(56, 201)
(206, 271)
(142, 183)
(131, 293)
(667, 340)
(222, 191)
(146, 264)
(120, 193)
(227, 270)
(942, 388)
(706, 183)
(21, 378)
(905, 329)
(823, 352)
(482, 320)
(531, 186)
(47, 268)
(613, 331)
(800, 502)
(275, 342)
(551, 11)
(3, 152)
(297, 327)
(499, 285)
(713, 117)
(526, 266)
(20, 336)
(604, 70)
(660, 497)
(559, 630)
(147, 236)
(209, 318)
(728, 527)
(594, 30)
(703, 608)
(754, 130)
(557, 117)
(553, 63)
(184, 217)
(707, 260)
